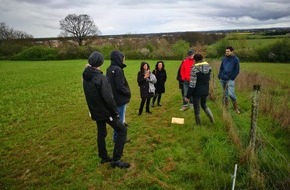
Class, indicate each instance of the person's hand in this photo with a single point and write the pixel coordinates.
(147, 74)
(186, 99)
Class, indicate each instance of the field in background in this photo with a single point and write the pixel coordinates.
(48, 140)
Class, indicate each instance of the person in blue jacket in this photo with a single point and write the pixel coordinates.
(228, 72)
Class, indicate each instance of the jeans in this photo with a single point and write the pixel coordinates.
(228, 89)
(119, 127)
(122, 113)
(185, 90)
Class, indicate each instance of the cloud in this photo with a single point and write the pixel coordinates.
(41, 18)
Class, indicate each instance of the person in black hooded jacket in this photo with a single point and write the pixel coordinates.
(103, 109)
(119, 84)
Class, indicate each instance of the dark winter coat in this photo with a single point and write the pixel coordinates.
(98, 94)
(199, 80)
(117, 79)
(161, 79)
(144, 86)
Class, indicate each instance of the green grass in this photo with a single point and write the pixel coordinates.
(48, 140)
(277, 72)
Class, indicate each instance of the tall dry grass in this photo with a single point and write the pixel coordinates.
(274, 96)
(274, 100)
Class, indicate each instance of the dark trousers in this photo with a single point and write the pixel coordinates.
(119, 127)
(158, 97)
(147, 100)
(197, 102)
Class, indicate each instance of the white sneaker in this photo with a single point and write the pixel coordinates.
(183, 108)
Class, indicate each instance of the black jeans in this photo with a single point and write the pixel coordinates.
(199, 101)
(158, 97)
(147, 100)
(121, 130)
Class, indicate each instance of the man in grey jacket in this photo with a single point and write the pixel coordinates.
(103, 110)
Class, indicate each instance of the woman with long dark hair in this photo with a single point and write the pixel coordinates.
(146, 81)
(160, 74)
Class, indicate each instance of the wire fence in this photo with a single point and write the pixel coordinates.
(273, 164)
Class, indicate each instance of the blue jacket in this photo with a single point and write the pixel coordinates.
(230, 68)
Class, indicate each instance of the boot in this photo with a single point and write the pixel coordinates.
(236, 108)
(148, 111)
(209, 115)
(120, 164)
(140, 112)
(197, 119)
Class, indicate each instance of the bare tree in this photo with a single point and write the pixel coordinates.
(7, 33)
(78, 27)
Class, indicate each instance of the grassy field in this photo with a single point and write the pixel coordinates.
(48, 140)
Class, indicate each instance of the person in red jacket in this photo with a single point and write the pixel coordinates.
(185, 69)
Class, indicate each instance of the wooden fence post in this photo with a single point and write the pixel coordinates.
(255, 106)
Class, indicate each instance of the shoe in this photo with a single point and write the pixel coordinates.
(191, 106)
(127, 141)
(126, 124)
(149, 112)
(183, 108)
(105, 160)
(159, 105)
(120, 164)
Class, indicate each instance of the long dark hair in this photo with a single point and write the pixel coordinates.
(156, 66)
(141, 66)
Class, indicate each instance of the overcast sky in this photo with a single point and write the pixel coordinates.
(40, 18)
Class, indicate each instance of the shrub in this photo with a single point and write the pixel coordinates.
(247, 54)
(37, 53)
(280, 51)
(106, 51)
(180, 48)
(10, 48)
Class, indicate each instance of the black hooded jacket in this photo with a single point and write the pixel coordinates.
(98, 94)
(117, 79)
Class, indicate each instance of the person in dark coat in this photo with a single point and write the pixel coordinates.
(146, 81)
(103, 109)
(119, 84)
(199, 87)
(160, 74)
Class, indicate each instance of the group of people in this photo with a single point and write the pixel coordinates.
(107, 95)
(151, 84)
(194, 77)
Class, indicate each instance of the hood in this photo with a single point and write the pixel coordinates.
(89, 73)
(117, 59)
(202, 67)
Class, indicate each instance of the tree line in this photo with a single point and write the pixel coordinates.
(80, 36)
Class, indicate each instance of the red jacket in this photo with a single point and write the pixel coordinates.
(186, 68)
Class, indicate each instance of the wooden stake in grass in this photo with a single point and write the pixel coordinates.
(255, 105)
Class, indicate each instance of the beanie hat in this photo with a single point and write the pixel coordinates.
(190, 52)
(96, 59)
